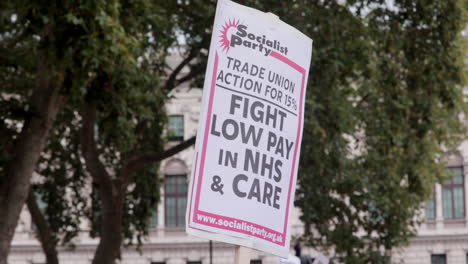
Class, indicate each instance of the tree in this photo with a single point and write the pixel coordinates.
(52, 55)
(20, 156)
(384, 101)
(124, 107)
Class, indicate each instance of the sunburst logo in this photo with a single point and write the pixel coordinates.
(225, 42)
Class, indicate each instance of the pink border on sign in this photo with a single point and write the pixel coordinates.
(193, 184)
(224, 219)
(207, 128)
(299, 128)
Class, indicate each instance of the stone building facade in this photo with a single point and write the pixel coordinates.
(443, 236)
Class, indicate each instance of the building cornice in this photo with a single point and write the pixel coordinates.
(30, 248)
(439, 238)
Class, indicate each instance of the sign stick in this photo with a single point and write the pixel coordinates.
(242, 255)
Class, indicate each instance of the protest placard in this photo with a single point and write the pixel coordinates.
(249, 136)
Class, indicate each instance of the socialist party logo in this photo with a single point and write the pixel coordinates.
(234, 34)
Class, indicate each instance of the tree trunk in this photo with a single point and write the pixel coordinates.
(110, 193)
(14, 187)
(110, 234)
(44, 233)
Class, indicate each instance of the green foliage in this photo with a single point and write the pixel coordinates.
(132, 121)
(142, 200)
(384, 100)
(62, 188)
(111, 53)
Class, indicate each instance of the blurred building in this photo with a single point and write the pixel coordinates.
(442, 237)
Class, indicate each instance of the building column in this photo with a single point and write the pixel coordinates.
(465, 191)
(438, 203)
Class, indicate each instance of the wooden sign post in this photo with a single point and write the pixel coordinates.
(242, 255)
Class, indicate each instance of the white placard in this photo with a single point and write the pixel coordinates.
(248, 143)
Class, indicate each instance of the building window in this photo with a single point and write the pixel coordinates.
(194, 262)
(176, 127)
(453, 200)
(158, 262)
(438, 259)
(430, 208)
(256, 261)
(175, 200)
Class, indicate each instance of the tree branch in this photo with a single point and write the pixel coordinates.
(44, 233)
(189, 76)
(138, 162)
(6, 134)
(171, 81)
(45, 102)
(89, 149)
(11, 43)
